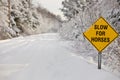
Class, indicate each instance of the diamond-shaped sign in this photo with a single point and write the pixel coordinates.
(101, 34)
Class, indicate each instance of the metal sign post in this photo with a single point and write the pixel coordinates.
(99, 60)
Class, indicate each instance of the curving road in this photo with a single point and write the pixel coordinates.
(45, 57)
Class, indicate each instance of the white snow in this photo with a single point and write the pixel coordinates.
(45, 57)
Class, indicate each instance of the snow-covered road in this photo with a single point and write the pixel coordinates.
(44, 57)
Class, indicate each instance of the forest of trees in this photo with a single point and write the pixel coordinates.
(21, 18)
(80, 15)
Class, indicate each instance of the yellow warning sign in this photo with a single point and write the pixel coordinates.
(101, 34)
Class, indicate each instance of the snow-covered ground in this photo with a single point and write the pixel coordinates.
(45, 57)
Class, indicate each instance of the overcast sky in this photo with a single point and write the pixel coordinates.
(52, 5)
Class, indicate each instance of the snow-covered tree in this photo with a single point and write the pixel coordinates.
(25, 19)
(80, 16)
